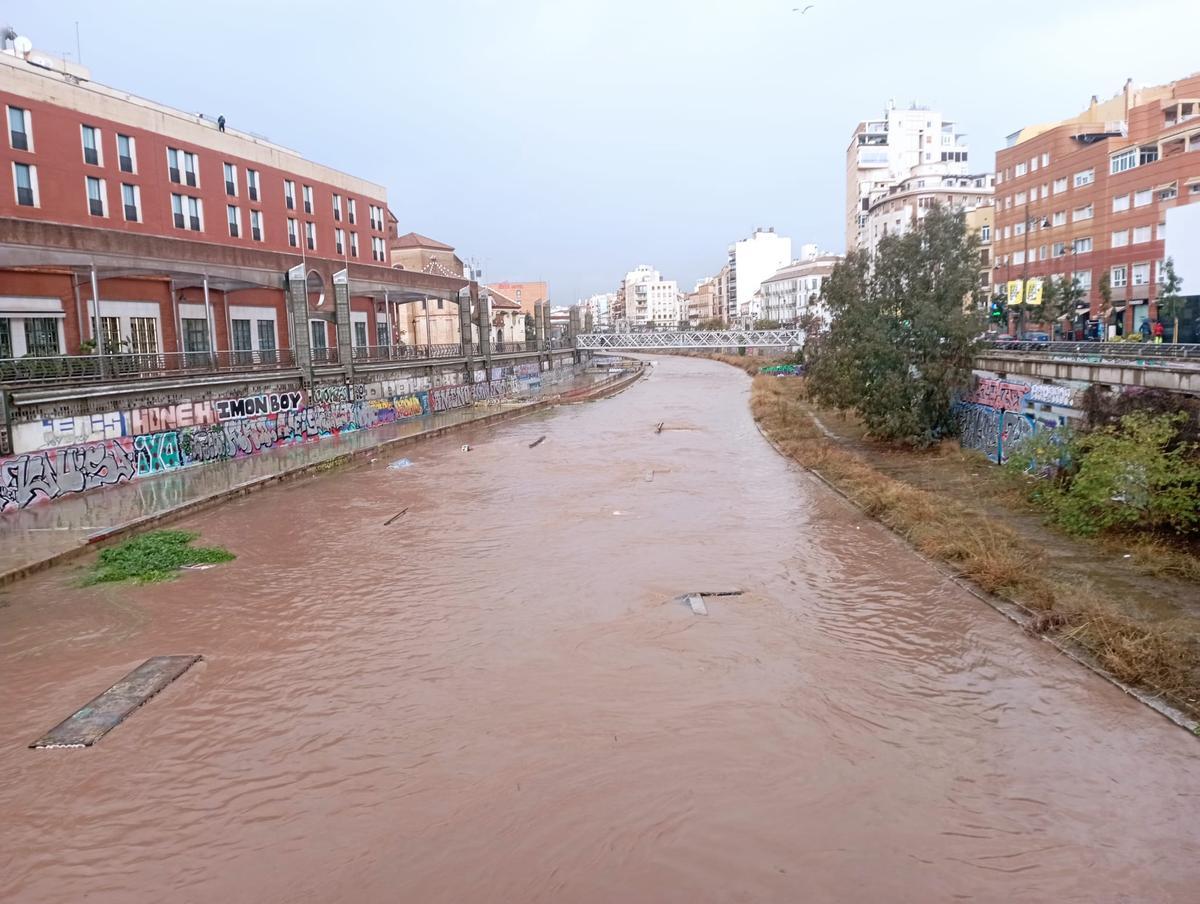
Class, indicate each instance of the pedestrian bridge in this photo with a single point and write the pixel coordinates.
(690, 339)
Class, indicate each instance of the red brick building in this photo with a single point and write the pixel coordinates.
(195, 238)
(1088, 196)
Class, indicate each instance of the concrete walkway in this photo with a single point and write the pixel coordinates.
(47, 533)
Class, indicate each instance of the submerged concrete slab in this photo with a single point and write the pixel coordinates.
(85, 727)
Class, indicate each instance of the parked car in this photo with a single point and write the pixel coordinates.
(1037, 337)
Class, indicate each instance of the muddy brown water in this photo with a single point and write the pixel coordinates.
(497, 699)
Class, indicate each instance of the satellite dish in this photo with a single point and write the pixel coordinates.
(22, 45)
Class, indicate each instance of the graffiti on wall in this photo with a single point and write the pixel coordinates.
(253, 406)
(44, 475)
(996, 416)
(444, 398)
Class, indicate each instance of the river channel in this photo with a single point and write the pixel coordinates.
(498, 698)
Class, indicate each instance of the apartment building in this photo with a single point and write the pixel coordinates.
(902, 207)
(792, 295)
(1089, 197)
(981, 222)
(128, 226)
(599, 309)
(650, 300)
(701, 302)
(526, 294)
(883, 152)
(750, 261)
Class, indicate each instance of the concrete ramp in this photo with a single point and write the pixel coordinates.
(110, 709)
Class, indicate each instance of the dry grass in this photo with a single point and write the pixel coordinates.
(990, 554)
(1157, 558)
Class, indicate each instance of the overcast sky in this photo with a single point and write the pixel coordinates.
(570, 140)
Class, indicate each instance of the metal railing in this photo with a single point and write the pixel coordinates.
(1166, 351)
(407, 352)
(323, 356)
(513, 348)
(125, 366)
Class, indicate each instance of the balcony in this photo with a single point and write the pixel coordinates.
(126, 367)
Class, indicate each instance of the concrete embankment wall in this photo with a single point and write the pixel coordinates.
(68, 441)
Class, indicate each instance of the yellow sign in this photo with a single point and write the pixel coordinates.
(1033, 293)
(1014, 292)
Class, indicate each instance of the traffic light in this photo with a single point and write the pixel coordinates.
(997, 313)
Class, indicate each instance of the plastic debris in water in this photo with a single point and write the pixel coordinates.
(400, 463)
(466, 448)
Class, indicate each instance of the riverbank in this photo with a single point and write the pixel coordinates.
(55, 532)
(1093, 603)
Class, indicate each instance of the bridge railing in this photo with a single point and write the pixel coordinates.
(694, 339)
(1165, 351)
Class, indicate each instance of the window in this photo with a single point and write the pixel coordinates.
(1033, 193)
(1019, 170)
(1042, 252)
(1162, 232)
(131, 198)
(354, 244)
(1082, 246)
(182, 167)
(266, 336)
(231, 180)
(1019, 228)
(1118, 277)
(1060, 218)
(1020, 198)
(378, 249)
(1147, 154)
(1141, 274)
(187, 212)
(1169, 193)
(289, 194)
(1082, 213)
(1084, 278)
(195, 334)
(1141, 234)
(190, 169)
(91, 145)
(376, 217)
(252, 184)
(1122, 162)
(1159, 276)
(95, 195)
(1060, 185)
(351, 211)
(337, 206)
(241, 335)
(173, 166)
(234, 214)
(1007, 232)
(1143, 197)
(25, 183)
(382, 333)
(293, 233)
(308, 199)
(41, 337)
(985, 233)
(1120, 203)
(1018, 257)
(143, 335)
(310, 235)
(1045, 160)
(360, 333)
(1084, 177)
(317, 331)
(1033, 164)
(20, 129)
(339, 240)
(1059, 249)
(1120, 239)
(256, 230)
(127, 154)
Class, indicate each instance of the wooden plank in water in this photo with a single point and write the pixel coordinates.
(110, 709)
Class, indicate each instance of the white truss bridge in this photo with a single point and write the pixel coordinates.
(690, 339)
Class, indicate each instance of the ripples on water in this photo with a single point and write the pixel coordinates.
(497, 698)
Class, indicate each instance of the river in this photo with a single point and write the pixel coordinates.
(497, 697)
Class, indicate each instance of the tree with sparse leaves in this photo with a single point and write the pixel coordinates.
(1170, 302)
(899, 345)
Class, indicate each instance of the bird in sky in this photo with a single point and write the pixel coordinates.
(797, 9)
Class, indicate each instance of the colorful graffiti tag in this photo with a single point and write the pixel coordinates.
(991, 418)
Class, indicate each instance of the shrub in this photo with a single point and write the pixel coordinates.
(155, 556)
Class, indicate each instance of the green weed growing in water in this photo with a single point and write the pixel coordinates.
(156, 556)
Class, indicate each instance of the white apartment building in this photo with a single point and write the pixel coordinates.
(600, 307)
(905, 204)
(651, 300)
(883, 152)
(750, 262)
(793, 293)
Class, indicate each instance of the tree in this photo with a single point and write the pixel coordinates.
(712, 323)
(763, 324)
(899, 345)
(1059, 296)
(530, 329)
(1170, 301)
(1106, 305)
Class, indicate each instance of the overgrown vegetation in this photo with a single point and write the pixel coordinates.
(995, 557)
(156, 556)
(904, 325)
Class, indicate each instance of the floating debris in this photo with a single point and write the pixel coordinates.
(195, 567)
(104, 713)
(697, 603)
(466, 448)
(399, 464)
(659, 428)
(537, 442)
(394, 517)
(695, 599)
(650, 476)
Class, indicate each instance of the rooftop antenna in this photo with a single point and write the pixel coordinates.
(78, 51)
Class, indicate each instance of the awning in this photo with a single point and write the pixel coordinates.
(17, 305)
(1082, 308)
(1165, 185)
(1118, 309)
(1194, 180)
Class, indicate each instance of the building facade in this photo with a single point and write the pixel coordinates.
(701, 302)
(902, 207)
(650, 300)
(750, 261)
(526, 294)
(128, 227)
(598, 309)
(883, 152)
(1089, 198)
(792, 295)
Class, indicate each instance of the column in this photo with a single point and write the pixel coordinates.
(341, 309)
(297, 303)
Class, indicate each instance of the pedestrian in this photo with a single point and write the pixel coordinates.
(1158, 332)
(1146, 330)
(221, 123)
